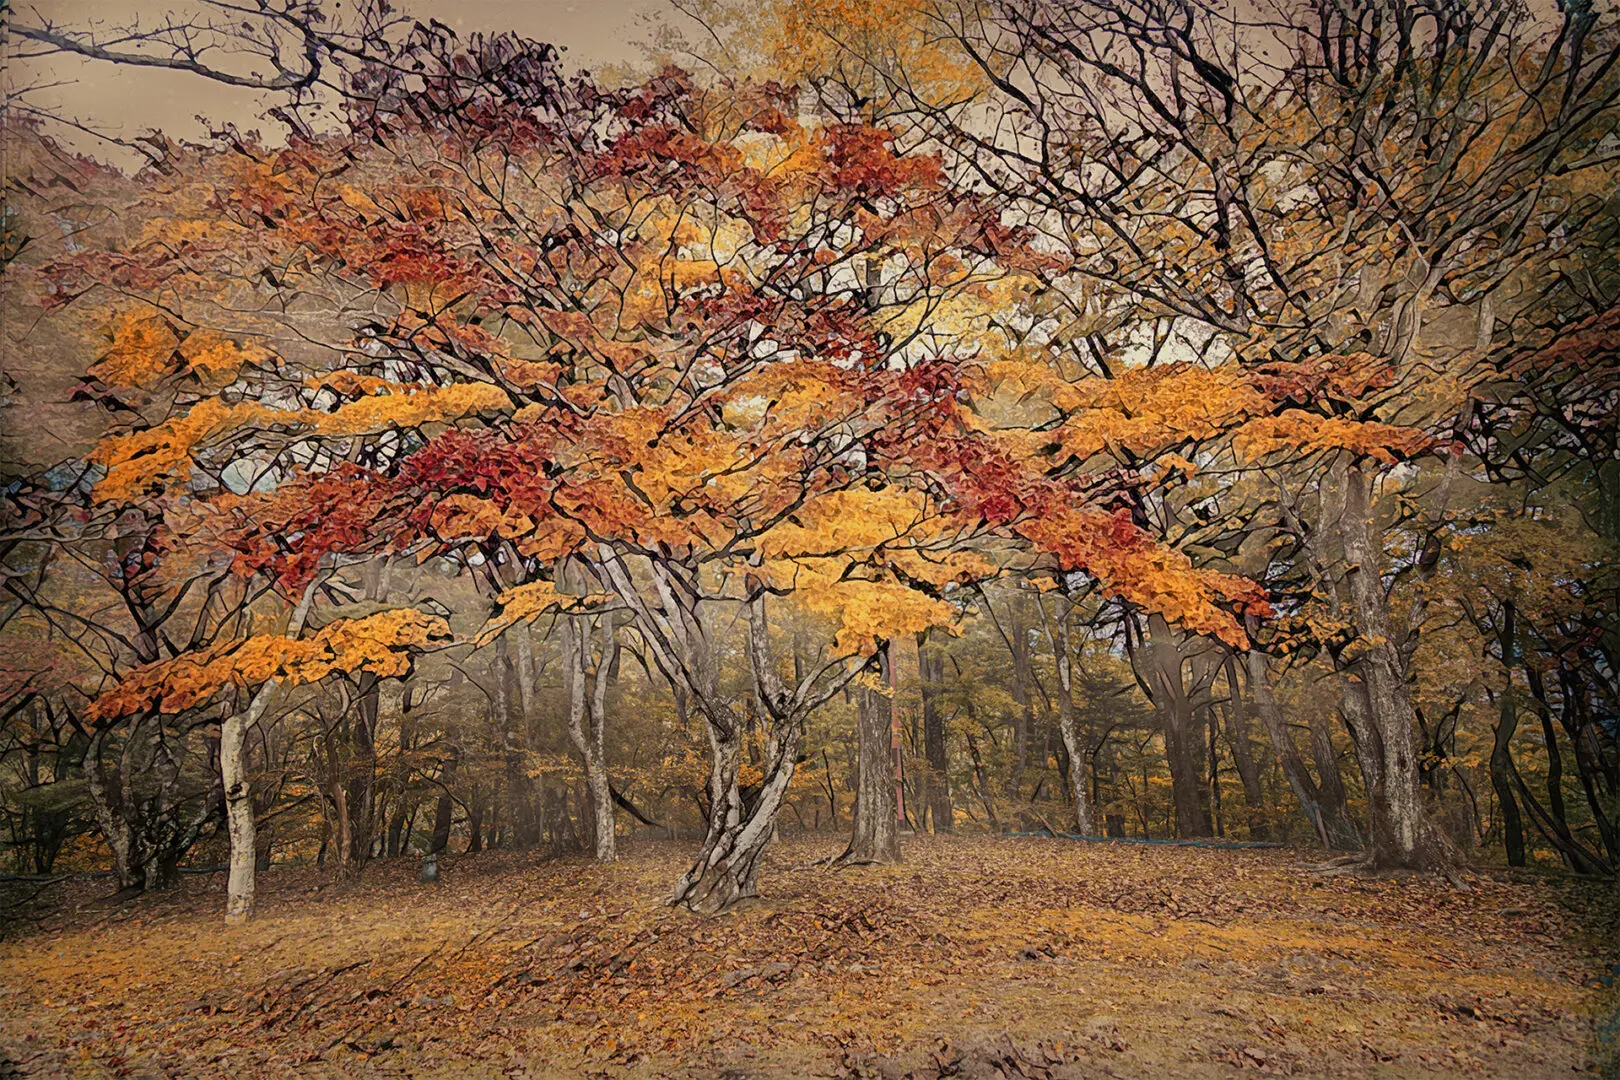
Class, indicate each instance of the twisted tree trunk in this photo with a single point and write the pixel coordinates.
(727, 866)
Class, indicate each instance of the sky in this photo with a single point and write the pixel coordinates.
(129, 101)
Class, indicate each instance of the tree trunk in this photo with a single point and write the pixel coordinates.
(1404, 836)
(514, 744)
(442, 813)
(587, 690)
(1507, 724)
(931, 672)
(238, 793)
(981, 786)
(396, 828)
(1334, 803)
(727, 866)
(1582, 733)
(239, 805)
(1288, 757)
(344, 826)
(1019, 641)
(115, 828)
(874, 836)
(526, 823)
(673, 626)
(1502, 779)
(1181, 746)
(475, 825)
(1075, 742)
(360, 796)
(1237, 735)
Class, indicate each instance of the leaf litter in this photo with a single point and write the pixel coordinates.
(976, 957)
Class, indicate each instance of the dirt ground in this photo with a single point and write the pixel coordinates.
(976, 957)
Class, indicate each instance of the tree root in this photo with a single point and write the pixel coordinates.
(1362, 863)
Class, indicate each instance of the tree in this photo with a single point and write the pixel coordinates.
(875, 831)
(1311, 223)
(378, 645)
(621, 355)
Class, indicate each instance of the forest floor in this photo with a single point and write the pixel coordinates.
(977, 957)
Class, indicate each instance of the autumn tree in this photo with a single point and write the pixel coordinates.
(1325, 224)
(532, 324)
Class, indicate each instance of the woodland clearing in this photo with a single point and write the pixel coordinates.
(1034, 957)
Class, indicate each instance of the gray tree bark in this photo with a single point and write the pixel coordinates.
(587, 678)
(240, 884)
(1075, 741)
(1166, 655)
(931, 670)
(1380, 703)
(875, 835)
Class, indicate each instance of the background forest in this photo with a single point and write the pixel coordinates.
(1121, 419)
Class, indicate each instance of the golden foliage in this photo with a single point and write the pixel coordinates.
(161, 454)
(526, 603)
(1308, 433)
(145, 349)
(379, 644)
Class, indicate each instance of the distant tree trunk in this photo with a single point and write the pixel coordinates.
(239, 822)
(874, 837)
(442, 813)
(981, 786)
(515, 729)
(1212, 730)
(1335, 806)
(404, 804)
(1582, 733)
(475, 825)
(587, 689)
(520, 661)
(1237, 735)
(1181, 745)
(115, 828)
(1575, 856)
(1501, 777)
(1334, 832)
(931, 673)
(1507, 723)
(396, 827)
(1021, 691)
(1075, 742)
(344, 827)
(360, 796)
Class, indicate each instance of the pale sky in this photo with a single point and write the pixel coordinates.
(129, 101)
